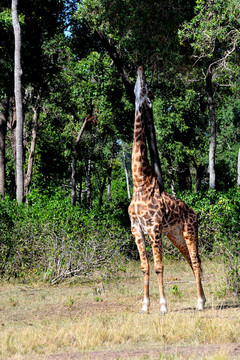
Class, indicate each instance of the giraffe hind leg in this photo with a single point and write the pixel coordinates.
(177, 239)
(187, 244)
(190, 233)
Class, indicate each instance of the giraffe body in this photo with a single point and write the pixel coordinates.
(154, 212)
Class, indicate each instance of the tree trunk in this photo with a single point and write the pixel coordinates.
(28, 175)
(126, 174)
(212, 118)
(184, 177)
(74, 162)
(152, 145)
(172, 179)
(109, 173)
(74, 186)
(3, 128)
(88, 183)
(12, 130)
(199, 176)
(238, 176)
(18, 102)
(101, 190)
(173, 187)
(80, 188)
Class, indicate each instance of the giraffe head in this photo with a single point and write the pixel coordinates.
(141, 91)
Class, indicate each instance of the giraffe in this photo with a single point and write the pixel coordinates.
(155, 213)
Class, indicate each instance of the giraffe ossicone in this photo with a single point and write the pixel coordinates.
(154, 212)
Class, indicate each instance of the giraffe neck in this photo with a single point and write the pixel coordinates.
(141, 169)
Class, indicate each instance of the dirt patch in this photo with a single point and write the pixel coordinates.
(193, 352)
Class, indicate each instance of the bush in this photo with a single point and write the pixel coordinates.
(219, 232)
(51, 236)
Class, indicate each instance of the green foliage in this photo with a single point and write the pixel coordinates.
(181, 127)
(52, 237)
(175, 291)
(213, 34)
(143, 32)
(228, 143)
(6, 18)
(219, 232)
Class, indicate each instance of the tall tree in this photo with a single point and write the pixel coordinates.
(214, 36)
(238, 167)
(35, 124)
(213, 133)
(74, 162)
(18, 102)
(3, 128)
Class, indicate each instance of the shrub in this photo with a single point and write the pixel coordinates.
(219, 232)
(51, 236)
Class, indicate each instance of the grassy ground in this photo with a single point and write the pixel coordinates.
(90, 318)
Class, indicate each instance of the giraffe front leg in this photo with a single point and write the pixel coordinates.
(156, 240)
(140, 242)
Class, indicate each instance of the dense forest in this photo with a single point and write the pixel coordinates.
(66, 133)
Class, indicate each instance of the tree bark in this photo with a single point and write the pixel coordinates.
(88, 183)
(126, 174)
(74, 162)
(80, 188)
(3, 129)
(18, 102)
(74, 185)
(212, 118)
(101, 190)
(109, 173)
(28, 175)
(12, 130)
(238, 176)
(199, 176)
(184, 177)
(152, 145)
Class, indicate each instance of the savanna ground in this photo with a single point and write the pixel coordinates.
(94, 319)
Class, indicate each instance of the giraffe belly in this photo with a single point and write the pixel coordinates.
(157, 214)
(152, 220)
(146, 219)
(139, 218)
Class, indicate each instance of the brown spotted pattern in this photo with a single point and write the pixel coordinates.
(154, 212)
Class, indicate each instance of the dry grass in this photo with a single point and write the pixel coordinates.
(37, 320)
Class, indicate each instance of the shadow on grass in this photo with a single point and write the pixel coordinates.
(223, 306)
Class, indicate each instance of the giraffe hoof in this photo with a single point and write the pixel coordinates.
(145, 308)
(162, 313)
(163, 308)
(201, 303)
(144, 311)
